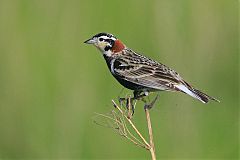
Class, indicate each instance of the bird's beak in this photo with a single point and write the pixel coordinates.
(90, 41)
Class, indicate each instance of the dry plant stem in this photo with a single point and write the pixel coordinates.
(133, 138)
(133, 126)
(149, 146)
(152, 147)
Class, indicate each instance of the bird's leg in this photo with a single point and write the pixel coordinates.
(136, 96)
(150, 105)
(121, 100)
(130, 104)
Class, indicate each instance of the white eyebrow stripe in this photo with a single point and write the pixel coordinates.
(106, 37)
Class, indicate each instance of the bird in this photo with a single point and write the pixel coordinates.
(140, 73)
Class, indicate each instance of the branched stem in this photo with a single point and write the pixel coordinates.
(120, 119)
(131, 123)
(150, 146)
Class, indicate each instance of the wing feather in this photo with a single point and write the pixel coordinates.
(155, 76)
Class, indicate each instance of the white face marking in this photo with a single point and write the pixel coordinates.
(106, 37)
(101, 43)
(104, 42)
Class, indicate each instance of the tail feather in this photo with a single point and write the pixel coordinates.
(195, 93)
(204, 97)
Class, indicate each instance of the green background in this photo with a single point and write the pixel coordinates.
(51, 84)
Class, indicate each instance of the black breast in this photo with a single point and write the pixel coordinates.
(121, 79)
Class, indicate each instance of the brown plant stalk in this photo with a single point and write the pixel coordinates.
(120, 119)
(149, 124)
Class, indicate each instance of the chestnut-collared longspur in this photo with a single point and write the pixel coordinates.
(139, 73)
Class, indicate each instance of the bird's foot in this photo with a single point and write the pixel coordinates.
(121, 100)
(151, 104)
(130, 105)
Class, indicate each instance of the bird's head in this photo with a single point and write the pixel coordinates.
(107, 43)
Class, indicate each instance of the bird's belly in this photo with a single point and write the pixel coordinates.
(131, 85)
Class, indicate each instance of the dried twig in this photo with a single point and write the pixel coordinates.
(120, 119)
(131, 123)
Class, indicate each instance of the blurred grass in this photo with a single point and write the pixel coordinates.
(51, 83)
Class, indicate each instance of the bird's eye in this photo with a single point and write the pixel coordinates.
(100, 39)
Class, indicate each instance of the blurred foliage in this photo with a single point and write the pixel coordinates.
(51, 83)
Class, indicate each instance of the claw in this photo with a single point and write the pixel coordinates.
(121, 100)
(137, 95)
(149, 106)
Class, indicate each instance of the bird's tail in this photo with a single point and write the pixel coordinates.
(204, 97)
(195, 93)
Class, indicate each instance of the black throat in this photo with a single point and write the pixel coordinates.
(108, 61)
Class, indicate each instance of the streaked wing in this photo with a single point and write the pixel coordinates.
(146, 72)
